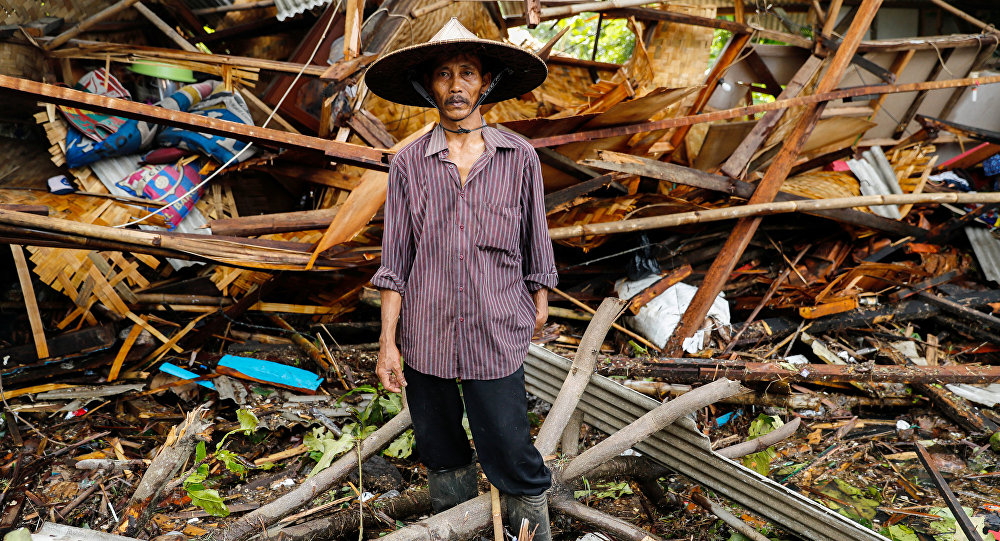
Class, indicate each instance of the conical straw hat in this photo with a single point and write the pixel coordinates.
(389, 77)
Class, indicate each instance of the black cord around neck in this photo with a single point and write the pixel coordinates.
(461, 129)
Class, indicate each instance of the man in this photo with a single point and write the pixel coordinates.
(466, 260)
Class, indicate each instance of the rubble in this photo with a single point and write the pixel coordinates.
(775, 229)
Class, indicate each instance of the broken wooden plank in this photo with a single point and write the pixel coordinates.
(643, 297)
(769, 186)
(116, 366)
(345, 152)
(249, 226)
(34, 317)
(562, 198)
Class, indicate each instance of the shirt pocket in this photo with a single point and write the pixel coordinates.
(499, 228)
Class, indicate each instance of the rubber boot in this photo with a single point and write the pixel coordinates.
(533, 508)
(453, 486)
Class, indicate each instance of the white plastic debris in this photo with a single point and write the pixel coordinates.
(902, 425)
(987, 395)
(658, 318)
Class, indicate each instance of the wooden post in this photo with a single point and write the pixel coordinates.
(769, 186)
(165, 28)
(831, 17)
(87, 23)
(739, 12)
(34, 318)
(533, 12)
(352, 28)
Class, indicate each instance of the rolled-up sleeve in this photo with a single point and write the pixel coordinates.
(397, 234)
(538, 263)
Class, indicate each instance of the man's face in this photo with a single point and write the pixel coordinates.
(456, 84)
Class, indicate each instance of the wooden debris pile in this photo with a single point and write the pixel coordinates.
(792, 220)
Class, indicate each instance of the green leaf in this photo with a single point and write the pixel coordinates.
(995, 441)
(231, 461)
(402, 447)
(209, 500)
(199, 452)
(248, 421)
(328, 445)
(761, 462)
(900, 532)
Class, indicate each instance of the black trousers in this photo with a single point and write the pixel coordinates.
(498, 417)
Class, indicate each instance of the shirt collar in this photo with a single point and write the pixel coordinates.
(491, 136)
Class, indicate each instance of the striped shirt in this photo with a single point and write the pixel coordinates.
(465, 258)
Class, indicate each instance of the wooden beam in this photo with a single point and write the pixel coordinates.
(344, 152)
(284, 222)
(722, 63)
(165, 28)
(91, 21)
(911, 111)
(819, 97)
(99, 50)
(736, 164)
(769, 186)
(34, 317)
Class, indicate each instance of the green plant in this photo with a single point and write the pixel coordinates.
(207, 498)
(761, 462)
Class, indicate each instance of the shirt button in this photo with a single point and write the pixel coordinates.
(460, 256)
(461, 319)
(461, 227)
(461, 194)
(461, 288)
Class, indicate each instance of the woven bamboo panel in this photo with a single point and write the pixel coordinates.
(823, 185)
(25, 11)
(592, 212)
(21, 60)
(912, 165)
(402, 120)
(563, 89)
(66, 270)
(679, 53)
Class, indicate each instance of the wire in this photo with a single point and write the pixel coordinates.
(274, 111)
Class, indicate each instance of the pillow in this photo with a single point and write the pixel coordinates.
(166, 183)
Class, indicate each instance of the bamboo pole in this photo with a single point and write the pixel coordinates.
(766, 209)
(30, 303)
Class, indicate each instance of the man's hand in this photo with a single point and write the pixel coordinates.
(389, 368)
(541, 298)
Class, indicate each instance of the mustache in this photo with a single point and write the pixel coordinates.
(456, 100)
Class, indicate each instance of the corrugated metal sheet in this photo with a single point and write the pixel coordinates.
(987, 248)
(290, 8)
